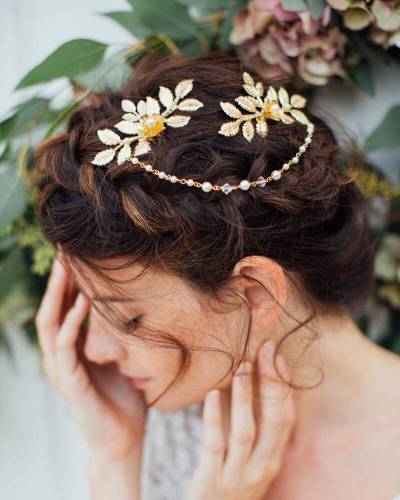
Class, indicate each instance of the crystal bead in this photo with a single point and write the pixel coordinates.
(261, 181)
(226, 188)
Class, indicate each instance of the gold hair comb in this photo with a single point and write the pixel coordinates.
(145, 121)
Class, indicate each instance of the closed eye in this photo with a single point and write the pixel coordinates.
(132, 324)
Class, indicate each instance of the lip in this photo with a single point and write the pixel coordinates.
(139, 382)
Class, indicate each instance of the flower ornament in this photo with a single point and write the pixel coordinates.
(274, 105)
(143, 121)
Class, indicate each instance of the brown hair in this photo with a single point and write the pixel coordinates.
(312, 221)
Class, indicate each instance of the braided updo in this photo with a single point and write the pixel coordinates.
(312, 222)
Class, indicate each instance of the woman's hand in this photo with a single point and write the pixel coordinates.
(110, 413)
(245, 466)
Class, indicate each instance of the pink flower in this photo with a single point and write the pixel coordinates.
(275, 41)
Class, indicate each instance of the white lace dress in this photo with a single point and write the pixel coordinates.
(172, 446)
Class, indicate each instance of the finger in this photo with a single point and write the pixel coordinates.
(66, 339)
(212, 456)
(243, 427)
(48, 315)
(276, 409)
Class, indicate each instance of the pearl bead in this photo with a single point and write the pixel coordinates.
(302, 149)
(148, 168)
(285, 166)
(173, 179)
(308, 140)
(276, 175)
(295, 159)
(206, 187)
(244, 185)
(190, 182)
(310, 127)
(162, 175)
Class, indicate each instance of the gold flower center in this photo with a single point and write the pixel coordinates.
(150, 126)
(270, 109)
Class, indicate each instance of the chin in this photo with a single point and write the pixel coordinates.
(167, 404)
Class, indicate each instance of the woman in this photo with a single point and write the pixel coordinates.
(184, 284)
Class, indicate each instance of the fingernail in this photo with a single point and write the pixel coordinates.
(267, 351)
(213, 397)
(80, 300)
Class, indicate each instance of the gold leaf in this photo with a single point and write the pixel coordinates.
(127, 127)
(247, 78)
(130, 117)
(166, 96)
(297, 101)
(152, 106)
(230, 109)
(247, 103)
(128, 106)
(250, 90)
(260, 88)
(248, 130)
(108, 137)
(262, 127)
(103, 157)
(283, 96)
(141, 107)
(124, 154)
(183, 88)
(271, 94)
(190, 105)
(229, 128)
(299, 116)
(142, 148)
(177, 120)
(285, 118)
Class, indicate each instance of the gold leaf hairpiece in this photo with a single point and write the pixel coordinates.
(144, 121)
(274, 105)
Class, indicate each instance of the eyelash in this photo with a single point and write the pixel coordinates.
(132, 324)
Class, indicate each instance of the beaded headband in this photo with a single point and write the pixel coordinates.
(144, 121)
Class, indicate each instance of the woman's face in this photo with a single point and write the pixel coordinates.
(153, 302)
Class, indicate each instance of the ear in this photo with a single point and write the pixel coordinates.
(264, 284)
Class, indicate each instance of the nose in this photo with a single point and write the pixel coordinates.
(101, 344)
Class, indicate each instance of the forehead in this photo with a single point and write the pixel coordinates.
(116, 281)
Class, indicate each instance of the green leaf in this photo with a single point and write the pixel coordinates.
(130, 21)
(27, 115)
(13, 196)
(70, 59)
(362, 77)
(110, 74)
(294, 5)
(387, 134)
(316, 7)
(165, 16)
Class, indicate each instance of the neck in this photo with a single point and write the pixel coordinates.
(349, 363)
